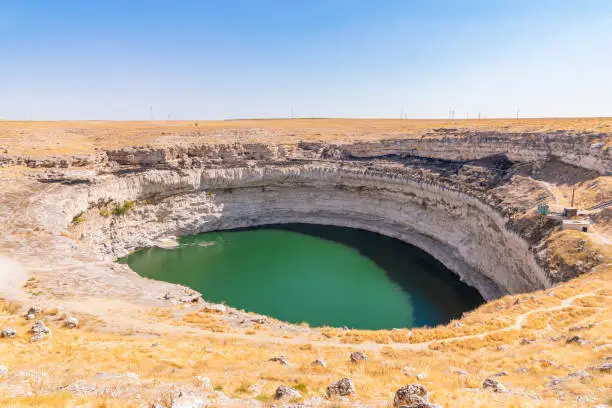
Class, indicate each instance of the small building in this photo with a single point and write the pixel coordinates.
(578, 225)
(570, 212)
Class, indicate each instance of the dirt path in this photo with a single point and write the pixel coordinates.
(369, 346)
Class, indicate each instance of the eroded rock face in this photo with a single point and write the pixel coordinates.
(461, 231)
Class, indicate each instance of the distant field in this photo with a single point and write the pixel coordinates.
(74, 137)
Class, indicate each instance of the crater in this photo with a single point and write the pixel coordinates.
(321, 275)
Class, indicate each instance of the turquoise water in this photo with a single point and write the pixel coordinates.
(317, 274)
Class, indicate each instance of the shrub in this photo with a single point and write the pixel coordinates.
(126, 207)
(78, 219)
(105, 212)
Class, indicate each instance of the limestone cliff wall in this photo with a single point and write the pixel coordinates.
(460, 231)
(589, 150)
(582, 150)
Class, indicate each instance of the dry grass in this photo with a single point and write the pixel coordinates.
(81, 137)
(207, 321)
(239, 364)
(567, 248)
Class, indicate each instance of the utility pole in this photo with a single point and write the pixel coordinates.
(151, 111)
(292, 114)
(573, 191)
(517, 114)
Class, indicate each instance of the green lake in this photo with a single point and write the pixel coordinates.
(321, 275)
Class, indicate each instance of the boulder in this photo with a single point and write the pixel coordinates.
(319, 363)
(71, 323)
(37, 337)
(342, 388)
(410, 395)
(358, 357)
(284, 392)
(40, 328)
(8, 332)
(496, 386)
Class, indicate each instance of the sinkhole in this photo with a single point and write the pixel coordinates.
(321, 275)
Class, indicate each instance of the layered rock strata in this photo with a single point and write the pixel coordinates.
(451, 220)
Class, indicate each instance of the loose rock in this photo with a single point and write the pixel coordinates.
(412, 395)
(203, 382)
(71, 323)
(412, 372)
(603, 368)
(494, 385)
(319, 363)
(358, 357)
(280, 359)
(8, 332)
(37, 337)
(342, 388)
(3, 370)
(577, 340)
(284, 392)
(40, 328)
(602, 347)
(33, 312)
(580, 374)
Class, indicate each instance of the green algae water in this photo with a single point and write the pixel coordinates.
(321, 275)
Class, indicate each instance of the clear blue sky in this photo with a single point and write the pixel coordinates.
(112, 59)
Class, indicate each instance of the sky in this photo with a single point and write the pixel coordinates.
(226, 59)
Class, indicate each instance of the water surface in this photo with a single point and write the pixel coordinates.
(321, 275)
